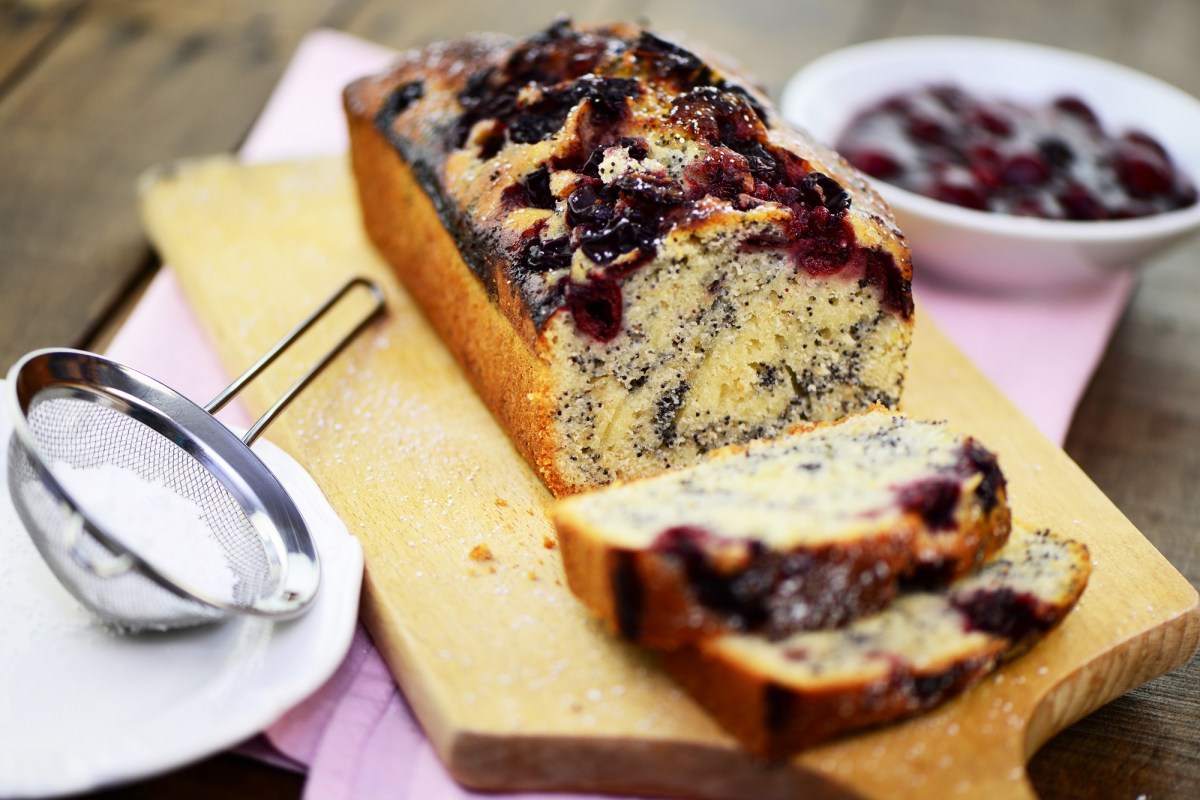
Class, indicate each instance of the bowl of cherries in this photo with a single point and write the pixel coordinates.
(1010, 166)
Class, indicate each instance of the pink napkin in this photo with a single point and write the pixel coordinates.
(356, 736)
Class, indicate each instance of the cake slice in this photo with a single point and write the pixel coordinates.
(780, 696)
(631, 255)
(802, 532)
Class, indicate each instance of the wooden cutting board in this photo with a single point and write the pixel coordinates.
(513, 682)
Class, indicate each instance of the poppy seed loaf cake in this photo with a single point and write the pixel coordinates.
(781, 696)
(802, 532)
(632, 257)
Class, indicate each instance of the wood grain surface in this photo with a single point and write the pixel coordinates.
(415, 465)
(70, 247)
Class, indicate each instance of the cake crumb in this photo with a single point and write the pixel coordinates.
(481, 552)
(549, 543)
(501, 502)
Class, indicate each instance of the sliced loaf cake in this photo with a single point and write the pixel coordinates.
(807, 531)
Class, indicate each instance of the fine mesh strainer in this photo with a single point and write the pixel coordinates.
(79, 413)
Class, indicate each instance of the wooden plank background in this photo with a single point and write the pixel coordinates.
(92, 92)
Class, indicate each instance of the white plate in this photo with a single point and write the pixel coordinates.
(83, 707)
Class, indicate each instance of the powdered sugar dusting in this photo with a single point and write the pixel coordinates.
(161, 527)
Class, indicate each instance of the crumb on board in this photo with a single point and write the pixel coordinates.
(549, 542)
(481, 552)
(501, 502)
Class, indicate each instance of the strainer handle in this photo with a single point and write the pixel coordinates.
(218, 402)
(73, 538)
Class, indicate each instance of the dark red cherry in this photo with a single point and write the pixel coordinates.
(961, 191)
(896, 104)
(596, 307)
(583, 206)
(991, 119)
(926, 129)
(1025, 169)
(1079, 203)
(1143, 139)
(1077, 109)
(876, 163)
(952, 98)
(1032, 205)
(1185, 193)
(1142, 171)
(985, 162)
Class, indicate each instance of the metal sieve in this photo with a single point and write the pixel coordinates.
(77, 410)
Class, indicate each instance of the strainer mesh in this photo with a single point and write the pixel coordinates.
(85, 434)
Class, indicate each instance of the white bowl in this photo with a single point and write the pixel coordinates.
(999, 251)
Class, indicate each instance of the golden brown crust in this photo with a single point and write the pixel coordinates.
(773, 721)
(402, 222)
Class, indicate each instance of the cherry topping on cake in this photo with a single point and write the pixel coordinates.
(618, 220)
(934, 500)
(531, 190)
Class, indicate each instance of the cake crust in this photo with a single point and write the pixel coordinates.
(500, 362)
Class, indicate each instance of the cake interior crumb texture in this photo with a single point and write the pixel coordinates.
(834, 483)
(685, 270)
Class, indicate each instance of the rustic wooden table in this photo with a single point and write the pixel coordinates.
(91, 93)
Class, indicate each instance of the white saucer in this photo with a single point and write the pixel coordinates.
(83, 707)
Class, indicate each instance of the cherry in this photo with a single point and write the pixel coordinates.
(1077, 109)
(992, 120)
(951, 97)
(1025, 169)
(1079, 203)
(933, 499)
(1142, 171)
(596, 307)
(1143, 139)
(876, 163)
(926, 129)
(1031, 205)
(960, 194)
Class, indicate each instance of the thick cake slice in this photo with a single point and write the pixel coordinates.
(778, 697)
(632, 257)
(807, 531)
